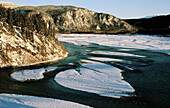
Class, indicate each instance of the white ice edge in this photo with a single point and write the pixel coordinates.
(24, 101)
(95, 77)
(104, 59)
(115, 53)
(31, 74)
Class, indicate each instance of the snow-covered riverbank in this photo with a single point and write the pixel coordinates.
(24, 101)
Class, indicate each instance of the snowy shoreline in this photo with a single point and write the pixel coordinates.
(24, 101)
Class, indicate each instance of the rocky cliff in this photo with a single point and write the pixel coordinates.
(15, 50)
(72, 19)
(27, 37)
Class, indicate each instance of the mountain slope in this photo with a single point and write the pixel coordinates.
(153, 25)
(72, 19)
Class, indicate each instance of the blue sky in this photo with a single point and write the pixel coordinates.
(118, 8)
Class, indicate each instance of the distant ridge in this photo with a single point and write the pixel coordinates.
(152, 25)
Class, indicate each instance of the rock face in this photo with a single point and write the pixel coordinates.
(16, 51)
(72, 19)
(28, 40)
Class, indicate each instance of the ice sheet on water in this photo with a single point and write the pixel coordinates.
(135, 41)
(97, 78)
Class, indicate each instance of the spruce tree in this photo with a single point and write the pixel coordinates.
(9, 17)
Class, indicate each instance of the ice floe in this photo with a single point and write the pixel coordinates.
(95, 77)
(32, 74)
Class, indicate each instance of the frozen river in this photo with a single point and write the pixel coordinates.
(115, 70)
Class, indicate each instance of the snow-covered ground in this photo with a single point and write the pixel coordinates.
(33, 74)
(95, 77)
(23, 101)
(134, 41)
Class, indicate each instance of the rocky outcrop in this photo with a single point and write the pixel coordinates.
(27, 37)
(15, 50)
(72, 19)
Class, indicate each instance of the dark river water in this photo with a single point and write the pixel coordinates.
(148, 74)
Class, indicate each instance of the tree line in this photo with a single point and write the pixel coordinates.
(27, 23)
